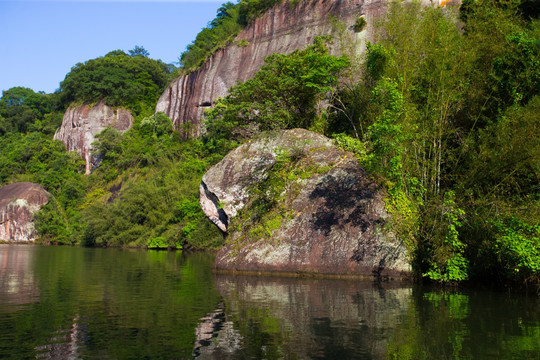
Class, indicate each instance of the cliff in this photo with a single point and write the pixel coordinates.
(81, 124)
(18, 203)
(292, 202)
(282, 29)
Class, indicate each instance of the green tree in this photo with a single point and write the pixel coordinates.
(230, 20)
(252, 9)
(287, 92)
(24, 110)
(219, 33)
(135, 82)
(458, 155)
(139, 51)
(145, 191)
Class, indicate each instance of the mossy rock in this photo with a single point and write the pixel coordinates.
(291, 201)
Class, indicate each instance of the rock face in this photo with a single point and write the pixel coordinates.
(18, 203)
(82, 123)
(293, 202)
(282, 29)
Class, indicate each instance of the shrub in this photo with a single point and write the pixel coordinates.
(360, 24)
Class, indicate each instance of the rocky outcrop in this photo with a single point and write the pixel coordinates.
(291, 201)
(81, 124)
(18, 203)
(282, 29)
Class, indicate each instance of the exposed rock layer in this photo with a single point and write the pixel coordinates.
(81, 124)
(330, 217)
(282, 29)
(18, 203)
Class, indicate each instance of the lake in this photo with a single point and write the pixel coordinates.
(82, 303)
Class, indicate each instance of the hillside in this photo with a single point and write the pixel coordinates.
(440, 110)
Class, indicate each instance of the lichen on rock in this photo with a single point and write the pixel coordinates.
(290, 201)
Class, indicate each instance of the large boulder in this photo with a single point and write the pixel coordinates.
(18, 203)
(290, 201)
(81, 124)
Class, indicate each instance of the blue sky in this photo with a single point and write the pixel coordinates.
(43, 39)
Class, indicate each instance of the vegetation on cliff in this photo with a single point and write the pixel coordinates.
(445, 95)
(230, 20)
(285, 93)
(443, 111)
(146, 191)
(156, 177)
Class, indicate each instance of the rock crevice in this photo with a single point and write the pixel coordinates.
(212, 208)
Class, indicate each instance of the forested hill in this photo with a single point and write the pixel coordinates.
(442, 110)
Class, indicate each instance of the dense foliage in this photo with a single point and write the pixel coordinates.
(22, 110)
(146, 191)
(449, 119)
(28, 153)
(219, 32)
(133, 81)
(285, 93)
(152, 192)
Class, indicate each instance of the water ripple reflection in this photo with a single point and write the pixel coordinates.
(287, 318)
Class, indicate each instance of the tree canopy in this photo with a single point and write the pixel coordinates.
(22, 110)
(285, 93)
(139, 51)
(135, 82)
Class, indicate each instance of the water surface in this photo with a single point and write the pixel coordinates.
(70, 302)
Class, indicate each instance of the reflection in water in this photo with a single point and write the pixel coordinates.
(17, 282)
(64, 344)
(311, 318)
(284, 318)
(216, 337)
(102, 303)
(68, 303)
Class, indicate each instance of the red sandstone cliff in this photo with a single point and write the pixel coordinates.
(81, 124)
(282, 29)
(18, 203)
